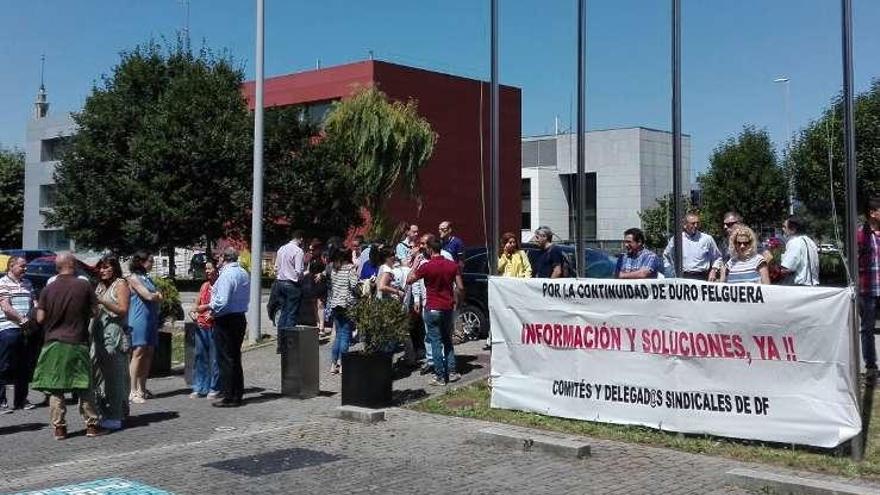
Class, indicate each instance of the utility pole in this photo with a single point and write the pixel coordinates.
(494, 133)
(676, 134)
(581, 181)
(254, 308)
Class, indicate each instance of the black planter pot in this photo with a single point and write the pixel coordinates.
(366, 380)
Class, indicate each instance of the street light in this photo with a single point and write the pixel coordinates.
(785, 87)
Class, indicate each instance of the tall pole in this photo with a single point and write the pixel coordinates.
(849, 150)
(786, 97)
(254, 308)
(580, 253)
(494, 111)
(676, 133)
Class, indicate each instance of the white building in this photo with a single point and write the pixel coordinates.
(627, 171)
(45, 140)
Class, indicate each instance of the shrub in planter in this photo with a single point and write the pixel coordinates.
(367, 375)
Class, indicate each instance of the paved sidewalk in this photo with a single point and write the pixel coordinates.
(279, 445)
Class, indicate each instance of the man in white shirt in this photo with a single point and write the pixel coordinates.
(287, 288)
(800, 261)
(698, 250)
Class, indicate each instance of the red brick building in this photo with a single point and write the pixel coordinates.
(451, 182)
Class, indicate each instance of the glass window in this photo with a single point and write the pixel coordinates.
(53, 149)
(53, 240)
(47, 195)
(526, 193)
(570, 185)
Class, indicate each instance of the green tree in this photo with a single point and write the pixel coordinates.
(820, 145)
(11, 197)
(659, 222)
(162, 154)
(307, 185)
(387, 143)
(744, 175)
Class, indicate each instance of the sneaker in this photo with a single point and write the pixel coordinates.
(426, 369)
(95, 431)
(28, 406)
(137, 399)
(436, 382)
(196, 395)
(454, 377)
(6, 411)
(213, 394)
(60, 433)
(111, 424)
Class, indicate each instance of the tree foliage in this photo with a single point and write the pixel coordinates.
(744, 175)
(162, 153)
(659, 223)
(11, 197)
(823, 139)
(387, 143)
(307, 186)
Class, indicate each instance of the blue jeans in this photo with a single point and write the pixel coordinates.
(206, 370)
(343, 335)
(438, 324)
(291, 296)
(868, 313)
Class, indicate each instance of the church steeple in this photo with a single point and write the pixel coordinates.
(41, 105)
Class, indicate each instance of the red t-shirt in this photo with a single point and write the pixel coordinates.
(439, 275)
(204, 319)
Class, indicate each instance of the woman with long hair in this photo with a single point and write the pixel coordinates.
(143, 318)
(513, 261)
(206, 369)
(343, 280)
(745, 264)
(112, 386)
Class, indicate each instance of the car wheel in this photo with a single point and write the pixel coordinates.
(471, 324)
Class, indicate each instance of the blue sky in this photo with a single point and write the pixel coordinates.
(732, 52)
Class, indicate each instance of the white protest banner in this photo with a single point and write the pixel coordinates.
(755, 362)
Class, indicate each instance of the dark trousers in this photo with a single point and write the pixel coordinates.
(868, 310)
(31, 345)
(696, 275)
(228, 336)
(291, 296)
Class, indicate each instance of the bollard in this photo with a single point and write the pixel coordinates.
(189, 351)
(161, 365)
(299, 361)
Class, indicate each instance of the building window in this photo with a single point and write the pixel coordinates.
(53, 240)
(53, 149)
(540, 153)
(47, 196)
(589, 222)
(526, 193)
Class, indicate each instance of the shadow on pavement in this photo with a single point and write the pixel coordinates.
(401, 397)
(466, 364)
(326, 393)
(11, 430)
(172, 393)
(149, 418)
(263, 397)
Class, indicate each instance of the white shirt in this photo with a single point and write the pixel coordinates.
(801, 257)
(698, 252)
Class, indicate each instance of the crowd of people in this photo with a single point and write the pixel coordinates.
(421, 272)
(97, 342)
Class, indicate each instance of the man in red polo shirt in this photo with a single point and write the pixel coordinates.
(443, 285)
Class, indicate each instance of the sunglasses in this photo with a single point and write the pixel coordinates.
(729, 224)
(742, 243)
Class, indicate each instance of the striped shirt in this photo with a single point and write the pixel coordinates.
(869, 261)
(745, 271)
(342, 281)
(20, 295)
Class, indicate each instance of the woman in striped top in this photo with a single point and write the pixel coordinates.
(343, 280)
(745, 264)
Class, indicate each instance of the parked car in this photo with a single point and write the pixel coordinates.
(473, 315)
(28, 254)
(828, 249)
(41, 269)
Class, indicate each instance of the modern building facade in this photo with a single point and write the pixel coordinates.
(44, 143)
(627, 171)
(454, 185)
